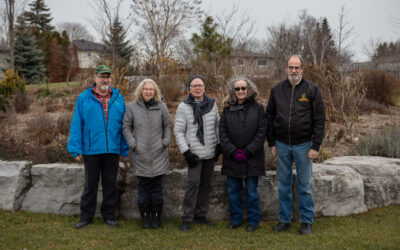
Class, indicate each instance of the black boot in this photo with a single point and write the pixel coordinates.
(156, 215)
(145, 214)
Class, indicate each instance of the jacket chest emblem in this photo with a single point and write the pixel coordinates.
(303, 98)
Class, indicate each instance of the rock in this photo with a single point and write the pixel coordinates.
(381, 177)
(14, 182)
(341, 186)
(338, 191)
(174, 186)
(56, 188)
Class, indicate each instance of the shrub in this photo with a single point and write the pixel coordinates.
(21, 102)
(64, 123)
(43, 93)
(43, 129)
(8, 84)
(171, 88)
(380, 86)
(264, 85)
(386, 144)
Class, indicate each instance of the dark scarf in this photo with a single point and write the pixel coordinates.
(150, 103)
(199, 109)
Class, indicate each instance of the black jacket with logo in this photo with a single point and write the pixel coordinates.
(295, 115)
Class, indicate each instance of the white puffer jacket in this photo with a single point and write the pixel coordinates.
(185, 131)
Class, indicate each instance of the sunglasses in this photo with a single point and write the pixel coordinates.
(240, 88)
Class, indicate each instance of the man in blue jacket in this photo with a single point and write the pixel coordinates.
(96, 138)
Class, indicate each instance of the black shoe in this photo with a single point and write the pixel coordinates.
(145, 211)
(185, 226)
(82, 224)
(306, 228)
(203, 221)
(111, 223)
(232, 226)
(251, 228)
(156, 216)
(281, 227)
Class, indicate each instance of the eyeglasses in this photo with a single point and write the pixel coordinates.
(148, 89)
(241, 88)
(197, 86)
(293, 67)
(104, 76)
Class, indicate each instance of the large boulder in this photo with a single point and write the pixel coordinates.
(56, 188)
(14, 182)
(338, 190)
(174, 185)
(381, 177)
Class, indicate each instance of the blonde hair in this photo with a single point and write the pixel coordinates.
(252, 91)
(139, 89)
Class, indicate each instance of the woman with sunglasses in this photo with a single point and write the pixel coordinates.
(242, 133)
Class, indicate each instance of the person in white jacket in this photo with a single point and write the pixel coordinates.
(196, 133)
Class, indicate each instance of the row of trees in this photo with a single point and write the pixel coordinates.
(159, 38)
(37, 51)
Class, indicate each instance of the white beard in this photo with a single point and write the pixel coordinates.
(294, 78)
(104, 87)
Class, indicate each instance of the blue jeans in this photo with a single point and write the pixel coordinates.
(287, 154)
(236, 202)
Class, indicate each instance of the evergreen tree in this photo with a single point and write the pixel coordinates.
(28, 59)
(38, 16)
(213, 53)
(117, 47)
(327, 49)
(210, 44)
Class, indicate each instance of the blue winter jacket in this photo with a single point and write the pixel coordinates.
(90, 133)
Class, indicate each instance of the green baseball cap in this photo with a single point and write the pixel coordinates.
(103, 69)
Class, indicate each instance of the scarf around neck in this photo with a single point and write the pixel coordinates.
(200, 109)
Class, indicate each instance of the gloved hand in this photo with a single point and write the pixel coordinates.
(218, 152)
(191, 158)
(240, 156)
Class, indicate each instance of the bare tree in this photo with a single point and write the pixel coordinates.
(284, 41)
(240, 27)
(370, 47)
(395, 21)
(75, 31)
(161, 22)
(10, 10)
(345, 33)
(108, 16)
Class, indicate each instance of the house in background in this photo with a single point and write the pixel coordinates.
(89, 53)
(252, 63)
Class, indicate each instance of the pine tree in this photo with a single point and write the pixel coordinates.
(28, 59)
(328, 51)
(117, 47)
(212, 50)
(210, 44)
(38, 17)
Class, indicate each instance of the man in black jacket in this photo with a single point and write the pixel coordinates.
(296, 121)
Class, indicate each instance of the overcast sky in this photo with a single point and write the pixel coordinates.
(370, 18)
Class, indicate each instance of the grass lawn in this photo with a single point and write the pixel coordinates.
(52, 86)
(376, 229)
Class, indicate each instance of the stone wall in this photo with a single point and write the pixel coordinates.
(341, 186)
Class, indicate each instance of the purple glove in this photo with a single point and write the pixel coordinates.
(240, 156)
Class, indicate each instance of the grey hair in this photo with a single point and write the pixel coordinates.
(252, 91)
(139, 88)
(295, 56)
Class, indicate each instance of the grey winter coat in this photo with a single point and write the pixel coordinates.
(148, 134)
(185, 131)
